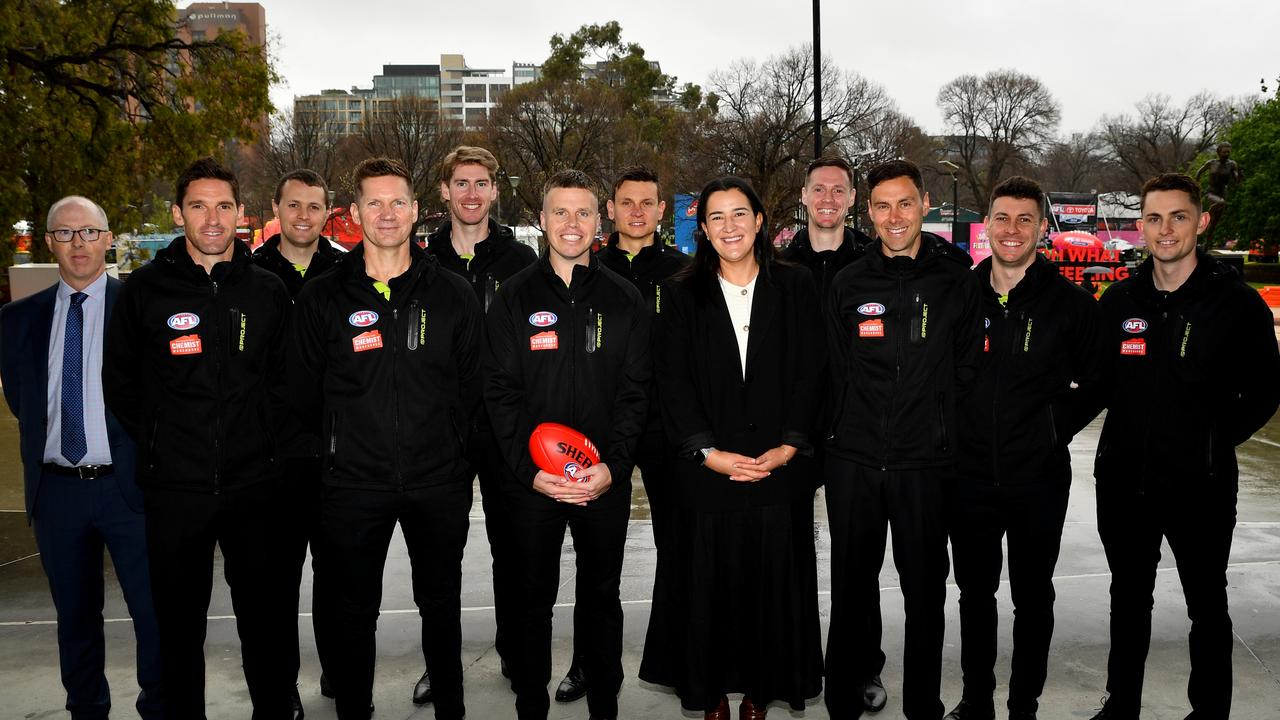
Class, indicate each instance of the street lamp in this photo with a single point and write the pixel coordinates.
(955, 193)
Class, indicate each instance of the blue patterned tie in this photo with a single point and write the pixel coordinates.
(74, 445)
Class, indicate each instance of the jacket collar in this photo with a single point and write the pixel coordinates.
(175, 256)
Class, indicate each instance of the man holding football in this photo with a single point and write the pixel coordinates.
(568, 342)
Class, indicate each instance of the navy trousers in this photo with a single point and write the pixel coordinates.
(74, 520)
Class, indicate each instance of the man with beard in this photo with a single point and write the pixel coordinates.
(905, 338)
(1038, 384)
(485, 254)
(193, 369)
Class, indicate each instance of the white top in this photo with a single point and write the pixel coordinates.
(738, 299)
(94, 309)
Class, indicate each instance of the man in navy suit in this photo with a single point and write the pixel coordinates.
(77, 459)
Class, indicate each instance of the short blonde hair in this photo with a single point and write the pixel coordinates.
(468, 155)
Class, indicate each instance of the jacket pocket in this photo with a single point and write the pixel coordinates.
(1053, 429)
(152, 444)
(943, 435)
(457, 433)
(332, 450)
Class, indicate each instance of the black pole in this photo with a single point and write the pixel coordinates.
(955, 208)
(817, 79)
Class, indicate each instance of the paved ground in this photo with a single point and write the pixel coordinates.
(29, 665)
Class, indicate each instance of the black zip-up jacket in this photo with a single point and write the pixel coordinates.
(1195, 372)
(497, 258)
(577, 355)
(647, 270)
(268, 257)
(192, 367)
(1022, 411)
(826, 264)
(905, 335)
(397, 380)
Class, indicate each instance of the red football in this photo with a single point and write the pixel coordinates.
(561, 450)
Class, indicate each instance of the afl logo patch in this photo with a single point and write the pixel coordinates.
(1133, 326)
(871, 309)
(183, 321)
(571, 470)
(986, 322)
(363, 318)
(543, 318)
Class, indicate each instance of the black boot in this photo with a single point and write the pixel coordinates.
(970, 710)
(422, 690)
(573, 686)
(874, 696)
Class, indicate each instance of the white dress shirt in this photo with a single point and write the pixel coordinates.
(738, 299)
(94, 310)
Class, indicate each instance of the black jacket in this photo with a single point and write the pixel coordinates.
(1022, 411)
(497, 258)
(826, 264)
(268, 257)
(587, 367)
(905, 336)
(1195, 372)
(713, 404)
(647, 270)
(192, 366)
(395, 382)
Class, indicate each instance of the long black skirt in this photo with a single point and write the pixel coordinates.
(736, 608)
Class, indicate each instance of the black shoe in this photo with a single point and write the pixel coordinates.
(295, 705)
(502, 666)
(573, 686)
(325, 688)
(1021, 715)
(968, 710)
(873, 695)
(422, 690)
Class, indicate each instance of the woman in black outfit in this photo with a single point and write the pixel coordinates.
(739, 355)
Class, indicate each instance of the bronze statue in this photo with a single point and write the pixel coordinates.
(1223, 174)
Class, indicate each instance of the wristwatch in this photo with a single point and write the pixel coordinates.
(705, 453)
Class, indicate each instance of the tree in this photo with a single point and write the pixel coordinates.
(1076, 164)
(998, 124)
(1163, 136)
(1251, 207)
(595, 118)
(763, 130)
(300, 140)
(101, 97)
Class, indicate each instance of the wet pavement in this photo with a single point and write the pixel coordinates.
(29, 661)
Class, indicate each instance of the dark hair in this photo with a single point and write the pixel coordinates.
(1172, 181)
(569, 179)
(829, 161)
(634, 173)
(310, 178)
(1021, 188)
(702, 272)
(205, 168)
(892, 170)
(379, 167)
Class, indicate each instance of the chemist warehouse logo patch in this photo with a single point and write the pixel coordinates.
(1133, 347)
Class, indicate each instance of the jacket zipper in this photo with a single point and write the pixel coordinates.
(217, 383)
(395, 398)
(897, 370)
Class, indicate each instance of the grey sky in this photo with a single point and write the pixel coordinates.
(1095, 56)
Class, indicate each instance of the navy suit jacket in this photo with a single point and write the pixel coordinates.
(25, 329)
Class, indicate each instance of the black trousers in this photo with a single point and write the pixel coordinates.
(182, 530)
(599, 533)
(74, 520)
(862, 504)
(485, 459)
(298, 524)
(1031, 516)
(355, 532)
(1198, 519)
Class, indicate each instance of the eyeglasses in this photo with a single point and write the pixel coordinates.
(86, 234)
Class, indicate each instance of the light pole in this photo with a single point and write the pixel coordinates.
(515, 199)
(955, 193)
(817, 79)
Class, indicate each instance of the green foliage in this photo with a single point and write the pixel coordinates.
(1251, 213)
(102, 97)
